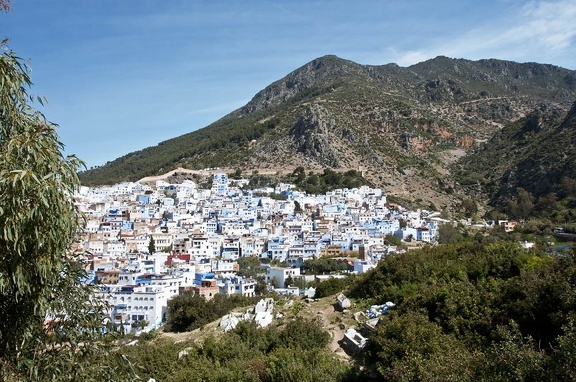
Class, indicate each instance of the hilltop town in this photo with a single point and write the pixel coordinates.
(144, 243)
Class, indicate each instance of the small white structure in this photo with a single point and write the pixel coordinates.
(263, 319)
(290, 291)
(342, 301)
(363, 266)
(310, 292)
(229, 322)
(378, 310)
(263, 312)
(264, 305)
(262, 315)
(354, 340)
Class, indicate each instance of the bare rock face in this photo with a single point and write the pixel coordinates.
(315, 76)
(313, 133)
(465, 141)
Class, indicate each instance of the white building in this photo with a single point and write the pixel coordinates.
(281, 275)
(220, 184)
(131, 305)
(239, 285)
(363, 266)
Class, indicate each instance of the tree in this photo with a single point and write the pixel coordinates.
(522, 206)
(188, 311)
(248, 266)
(237, 174)
(469, 206)
(5, 5)
(297, 207)
(304, 334)
(300, 174)
(393, 240)
(448, 234)
(331, 286)
(151, 245)
(411, 348)
(274, 282)
(547, 204)
(49, 320)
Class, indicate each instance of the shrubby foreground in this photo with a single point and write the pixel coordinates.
(465, 312)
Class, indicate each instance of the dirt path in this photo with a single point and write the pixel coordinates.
(246, 172)
(171, 173)
(334, 322)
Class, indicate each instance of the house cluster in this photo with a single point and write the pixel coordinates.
(146, 243)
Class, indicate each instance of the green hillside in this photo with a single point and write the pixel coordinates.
(474, 311)
(480, 310)
(532, 162)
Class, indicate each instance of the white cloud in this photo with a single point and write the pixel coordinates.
(410, 57)
(546, 25)
(541, 31)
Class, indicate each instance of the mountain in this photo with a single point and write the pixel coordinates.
(403, 127)
(536, 153)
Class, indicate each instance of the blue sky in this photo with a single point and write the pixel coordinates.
(122, 75)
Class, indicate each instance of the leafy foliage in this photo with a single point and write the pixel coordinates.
(304, 335)
(189, 311)
(312, 183)
(448, 234)
(294, 352)
(332, 286)
(249, 266)
(410, 347)
(151, 245)
(472, 311)
(323, 265)
(49, 322)
(328, 180)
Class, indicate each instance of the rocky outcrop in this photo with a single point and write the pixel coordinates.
(313, 135)
(313, 78)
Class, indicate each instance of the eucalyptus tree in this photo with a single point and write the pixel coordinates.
(50, 323)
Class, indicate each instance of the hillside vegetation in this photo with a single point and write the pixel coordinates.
(528, 169)
(479, 310)
(474, 312)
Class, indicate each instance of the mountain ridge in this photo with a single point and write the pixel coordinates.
(399, 125)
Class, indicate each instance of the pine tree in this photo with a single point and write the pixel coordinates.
(151, 245)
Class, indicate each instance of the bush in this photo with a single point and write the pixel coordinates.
(188, 311)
